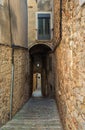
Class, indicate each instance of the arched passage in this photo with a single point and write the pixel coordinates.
(40, 56)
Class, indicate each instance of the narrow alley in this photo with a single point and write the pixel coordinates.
(38, 114)
(42, 64)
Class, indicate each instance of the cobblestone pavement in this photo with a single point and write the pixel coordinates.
(37, 114)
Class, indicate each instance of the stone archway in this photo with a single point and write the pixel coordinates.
(39, 55)
(41, 43)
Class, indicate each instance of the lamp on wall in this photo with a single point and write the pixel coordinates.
(38, 65)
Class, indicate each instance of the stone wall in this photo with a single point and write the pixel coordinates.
(5, 62)
(13, 33)
(21, 78)
(70, 66)
(5, 83)
(22, 81)
(57, 16)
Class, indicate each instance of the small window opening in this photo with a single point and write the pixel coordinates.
(44, 32)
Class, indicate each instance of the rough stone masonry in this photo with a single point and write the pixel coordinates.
(70, 64)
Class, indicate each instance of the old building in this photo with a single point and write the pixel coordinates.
(14, 55)
(42, 45)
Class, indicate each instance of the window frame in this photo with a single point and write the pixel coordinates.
(51, 24)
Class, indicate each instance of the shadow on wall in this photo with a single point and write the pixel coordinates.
(58, 24)
(8, 19)
(13, 19)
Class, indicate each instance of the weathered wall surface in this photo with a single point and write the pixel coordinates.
(4, 22)
(45, 5)
(19, 29)
(57, 16)
(19, 22)
(5, 83)
(21, 79)
(5, 62)
(13, 30)
(70, 66)
(32, 9)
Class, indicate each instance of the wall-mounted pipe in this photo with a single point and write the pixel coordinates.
(12, 61)
(12, 85)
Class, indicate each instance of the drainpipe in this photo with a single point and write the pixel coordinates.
(12, 85)
(12, 61)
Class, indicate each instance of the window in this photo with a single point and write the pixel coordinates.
(44, 26)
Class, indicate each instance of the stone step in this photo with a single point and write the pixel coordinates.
(37, 114)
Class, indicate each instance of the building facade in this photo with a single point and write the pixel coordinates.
(40, 20)
(14, 58)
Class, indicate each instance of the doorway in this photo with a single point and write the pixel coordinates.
(42, 75)
(37, 92)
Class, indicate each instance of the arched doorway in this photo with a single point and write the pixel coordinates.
(39, 57)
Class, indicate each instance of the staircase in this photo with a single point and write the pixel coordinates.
(37, 114)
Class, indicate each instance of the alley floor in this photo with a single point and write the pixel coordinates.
(37, 114)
